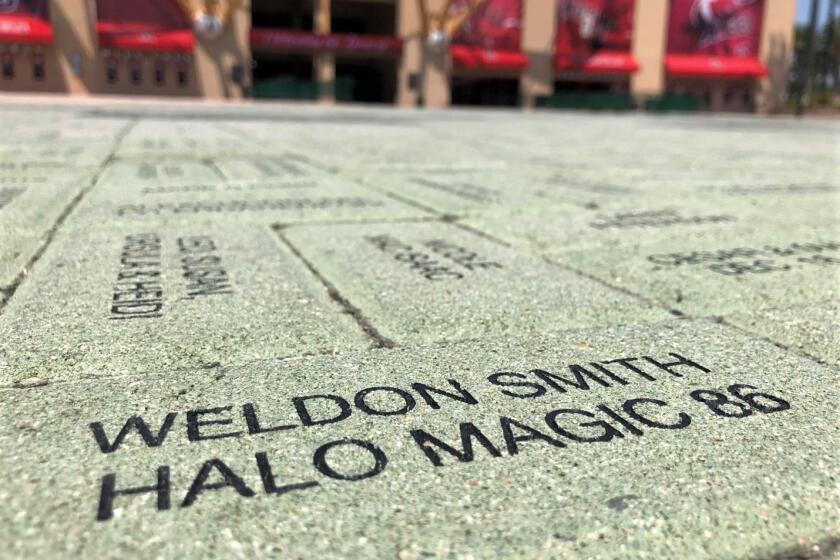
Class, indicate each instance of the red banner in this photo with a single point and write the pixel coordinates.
(25, 21)
(495, 26)
(283, 39)
(725, 28)
(151, 14)
(147, 25)
(491, 38)
(595, 36)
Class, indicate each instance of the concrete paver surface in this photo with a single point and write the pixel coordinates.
(314, 332)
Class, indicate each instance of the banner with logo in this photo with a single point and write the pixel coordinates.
(587, 27)
(495, 26)
(32, 8)
(270, 39)
(723, 28)
(25, 21)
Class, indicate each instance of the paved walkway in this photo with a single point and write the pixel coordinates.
(309, 332)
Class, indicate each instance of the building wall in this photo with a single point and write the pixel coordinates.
(649, 33)
(74, 64)
(538, 28)
(430, 69)
(777, 40)
(408, 74)
(217, 60)
(210, 67)
(649, 49)
(68, 67)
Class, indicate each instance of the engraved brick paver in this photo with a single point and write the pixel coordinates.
(648, 219)
(726, 271)
(132, 299)
(336, 332)
(30, 204)
(359, 456)
(433, 282)
(813, 329)
(281, 200)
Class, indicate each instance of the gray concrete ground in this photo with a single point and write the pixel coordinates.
(306, 332)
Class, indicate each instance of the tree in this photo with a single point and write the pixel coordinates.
(815, 72)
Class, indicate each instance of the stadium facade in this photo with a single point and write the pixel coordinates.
(717, 54)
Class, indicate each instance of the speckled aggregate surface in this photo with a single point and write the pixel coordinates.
(313, 332)
(137, 300)
(724, 271)
(645, 219)
(434, 282)
(813, 329)
(122, 197)
(30, 203)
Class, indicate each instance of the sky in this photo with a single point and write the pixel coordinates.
(803, 10)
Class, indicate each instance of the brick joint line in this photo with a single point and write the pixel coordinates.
(9, 291)
(777, 344)
(573, 270)
(402, 199)
(209, 162)
(367, 327)
(650, 301)
(478, 232)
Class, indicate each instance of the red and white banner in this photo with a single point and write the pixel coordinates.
(595, 36)
(25, 21)
(268, 39)
(715, 39)
(491, 38)
(495, 26)
(147, 25)
(715, 27)
(25, 8)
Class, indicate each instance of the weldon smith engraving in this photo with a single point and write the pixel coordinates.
(464, 441)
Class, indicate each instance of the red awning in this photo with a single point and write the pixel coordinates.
(703, 66)
(268, 39)
(26, 22)
(150, 25)
(601, 62)
(129, 37)
(27, 30)
(464, 56)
